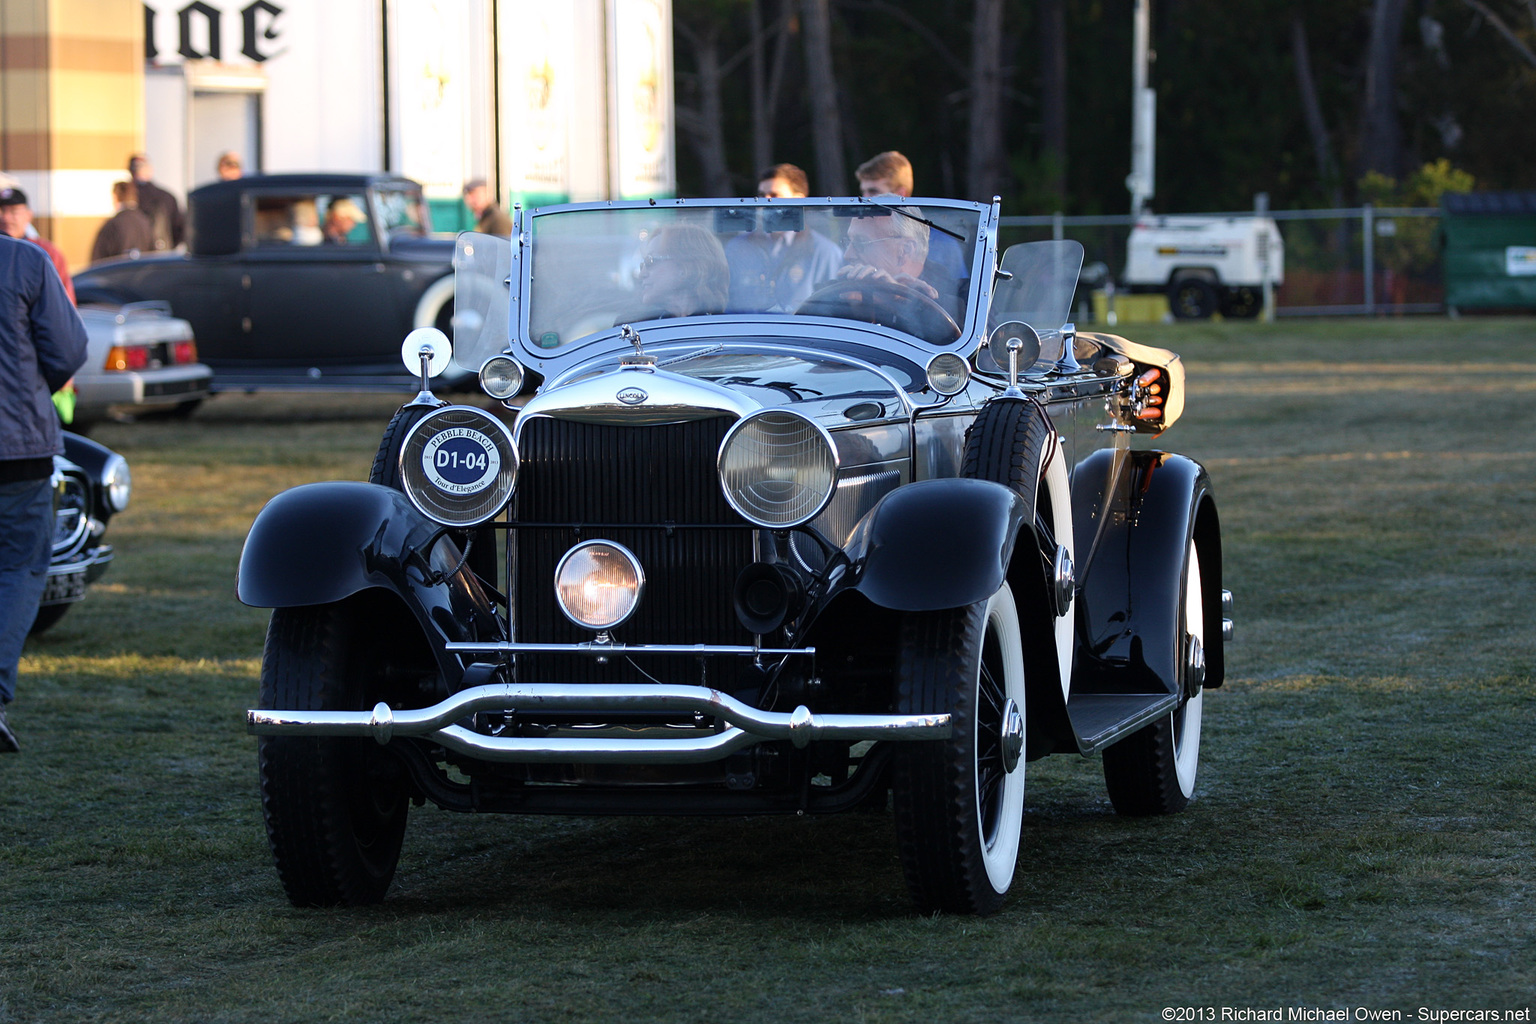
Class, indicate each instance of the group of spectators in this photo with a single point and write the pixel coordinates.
(147, 217)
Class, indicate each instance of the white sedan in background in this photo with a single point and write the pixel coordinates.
(141, 359)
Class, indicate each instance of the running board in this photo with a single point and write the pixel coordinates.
(1100, 719)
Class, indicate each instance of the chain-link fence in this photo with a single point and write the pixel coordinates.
(1359, 260)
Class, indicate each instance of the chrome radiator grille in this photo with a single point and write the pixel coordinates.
(653, 489)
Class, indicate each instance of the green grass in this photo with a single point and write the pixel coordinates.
(1362, 834)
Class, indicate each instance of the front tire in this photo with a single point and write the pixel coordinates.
(959, 803)
(335, 808)
(1153, 770)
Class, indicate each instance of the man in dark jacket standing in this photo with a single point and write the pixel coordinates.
(42, 344)
(126, 231)
(162, 209)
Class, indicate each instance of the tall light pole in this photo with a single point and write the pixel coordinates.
(1143, 111)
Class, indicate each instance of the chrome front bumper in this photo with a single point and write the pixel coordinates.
(739, 725)
(67, 580)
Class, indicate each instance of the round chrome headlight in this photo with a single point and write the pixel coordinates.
(948, 373)
(116, 483)
(778, 468)
(599, 584)
(458, 465)
(501, 377)
(71, 513)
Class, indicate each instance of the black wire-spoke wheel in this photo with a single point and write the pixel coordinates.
(959, 803)
(335, 807)
(1153, 770)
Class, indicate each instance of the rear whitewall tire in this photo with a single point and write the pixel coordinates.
(1153, 770)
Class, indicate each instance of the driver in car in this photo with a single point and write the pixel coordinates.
(894, 249)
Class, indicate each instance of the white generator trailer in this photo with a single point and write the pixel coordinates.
(1205, 264)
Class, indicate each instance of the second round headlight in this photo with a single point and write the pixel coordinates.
(778, 468)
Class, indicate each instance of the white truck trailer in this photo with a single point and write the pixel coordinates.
(1206, 264)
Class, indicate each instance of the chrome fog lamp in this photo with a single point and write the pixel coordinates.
(117, 483)
(948, 373)
(501, 377)
(599, 584)
(778, 468)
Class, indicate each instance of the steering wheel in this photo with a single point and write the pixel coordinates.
(885, 303)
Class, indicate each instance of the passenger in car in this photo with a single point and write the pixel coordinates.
(341, 216)
(683, 272)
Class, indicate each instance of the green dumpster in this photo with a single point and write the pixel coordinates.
(1489, 241)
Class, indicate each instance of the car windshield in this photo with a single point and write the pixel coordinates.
(404, 212)
(906, 267)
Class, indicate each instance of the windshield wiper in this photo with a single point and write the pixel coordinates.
(912, 216)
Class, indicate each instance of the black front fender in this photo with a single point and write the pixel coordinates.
(322, 543)
(936, 544)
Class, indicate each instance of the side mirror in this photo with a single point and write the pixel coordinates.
(426, 351)
(1012, 348)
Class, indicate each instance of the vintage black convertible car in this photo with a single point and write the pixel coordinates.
(296, 280)
(91, 484)
(800, 520)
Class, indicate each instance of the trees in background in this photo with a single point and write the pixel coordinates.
(1031, 98)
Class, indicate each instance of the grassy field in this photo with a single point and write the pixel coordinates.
(1362, 837)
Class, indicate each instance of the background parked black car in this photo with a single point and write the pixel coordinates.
(296, 280)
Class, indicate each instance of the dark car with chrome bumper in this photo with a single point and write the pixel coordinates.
(91, 484)
(296, 281)
(889, 538)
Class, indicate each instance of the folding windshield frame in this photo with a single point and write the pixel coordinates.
(978, 293)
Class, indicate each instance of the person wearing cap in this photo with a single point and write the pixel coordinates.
(42, 344)
(127, 232)
(228, 168)
(16, 219)
(162, 209)
(490, 219)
